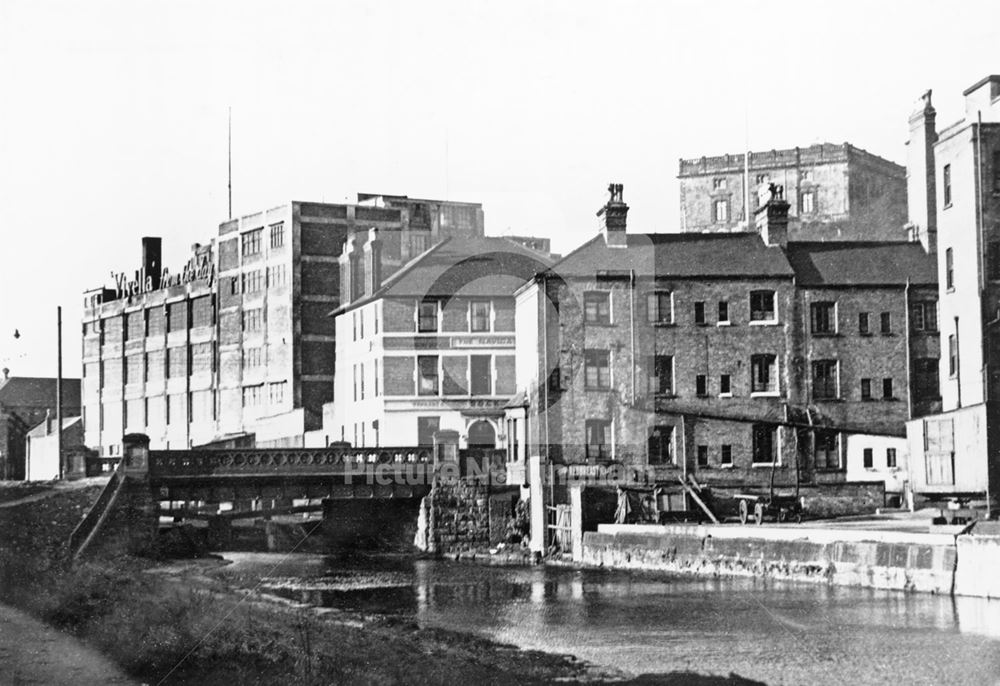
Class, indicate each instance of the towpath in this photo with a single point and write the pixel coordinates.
(31, 652)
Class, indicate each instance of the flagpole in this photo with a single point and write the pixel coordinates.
(59, 400)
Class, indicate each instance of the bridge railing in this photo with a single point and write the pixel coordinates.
(165, 463)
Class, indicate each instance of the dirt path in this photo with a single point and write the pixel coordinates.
(55, 489)
(32, 652)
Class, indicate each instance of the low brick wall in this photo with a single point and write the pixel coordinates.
(890, 560)
(466, 516)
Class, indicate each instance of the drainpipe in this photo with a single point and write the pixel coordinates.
(958, 366)
(631, 305)
(909, 362)
(980, 245)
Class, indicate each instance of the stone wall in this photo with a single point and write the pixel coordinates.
(464, 517)
(890, 560)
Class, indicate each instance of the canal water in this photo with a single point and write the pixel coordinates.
(645, 623)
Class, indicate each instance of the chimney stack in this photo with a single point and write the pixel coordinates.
(151, 258)
(921, 187)
(771, 218)
(613, 218)
(373, 262)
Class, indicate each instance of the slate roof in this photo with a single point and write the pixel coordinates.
(471, 267)
(857, 263)
(41, 429)
(680, 255)
(33, 391)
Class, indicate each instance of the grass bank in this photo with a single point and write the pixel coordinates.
(190, 627)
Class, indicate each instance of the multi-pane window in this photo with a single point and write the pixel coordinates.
(720, 211)
(701, 385)
(135, 325)
(866, 389)
(723, 312)
(949, 268)
(763, 374)
(202, 358)
(868, 458)
(479, 315)
(808, 202)
(946, 184)
(923, 316)
(427, 316)
(699, 313)
(155, 363)
(824, 379)
(887, 389)
(133, 369)
(952, 355)
(724, 385)
(764, 444)
(886, 320)
(251, 242)
(659, 307)
(277, 275)
(597, 369)
(202, 311)
(925, 379)
(597, 307)
(864, 327)
(376, 380)
(890, 458)
(660, 445)
(719, 184)
(253, 395)
(253, 281)
(661, 375)
(827, 450)
(762, 306)
(177, 316)
(598, 435)
(177, 359)
(427, 375)
(277, 235)
(726, 454)
(823, 317)
(155, 321)
(702, 455)
(252, 358)
(426, 428)
(253, 320)
(481, 375)
(276, 392)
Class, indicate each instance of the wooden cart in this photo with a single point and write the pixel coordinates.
(781, 508)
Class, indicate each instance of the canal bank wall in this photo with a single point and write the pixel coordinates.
(925, 562)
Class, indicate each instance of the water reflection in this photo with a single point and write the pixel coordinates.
(645, 623)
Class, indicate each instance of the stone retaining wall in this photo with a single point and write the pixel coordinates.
(912, 562)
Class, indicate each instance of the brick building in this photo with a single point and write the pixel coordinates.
(24, 402)
(724, 355)
(237, 347)
(955, 208)
(431, 347)
(835, 192)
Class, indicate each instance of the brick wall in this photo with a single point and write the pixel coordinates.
(398, 375)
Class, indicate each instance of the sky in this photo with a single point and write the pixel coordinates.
(113, 115)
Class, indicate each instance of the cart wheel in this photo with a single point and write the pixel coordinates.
(744, 512)
(758, 513)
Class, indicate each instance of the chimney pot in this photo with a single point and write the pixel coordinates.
(772, 217)
(614, 216)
